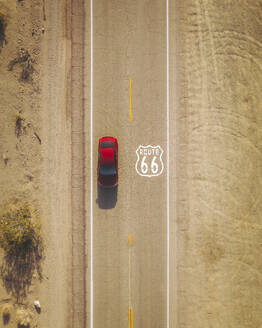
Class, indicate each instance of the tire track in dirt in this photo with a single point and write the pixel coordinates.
(78, 166)
(219, 168)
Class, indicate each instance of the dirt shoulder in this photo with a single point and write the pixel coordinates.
(35, 151)
(56, 290)
(219, 164)
(21, 134)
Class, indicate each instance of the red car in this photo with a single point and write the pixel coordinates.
(107, 169)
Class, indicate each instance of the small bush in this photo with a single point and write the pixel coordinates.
(22, 58)
(6, 312)
(2, 30)
(23, 318)
(25, 61)
(20, 238)
(20, 126)
(20, 229)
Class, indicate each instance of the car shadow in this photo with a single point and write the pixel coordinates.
(106, 197)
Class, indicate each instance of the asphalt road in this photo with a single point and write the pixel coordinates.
(129, 42)
(215, 172)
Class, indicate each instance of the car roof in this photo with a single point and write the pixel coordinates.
(107, 155)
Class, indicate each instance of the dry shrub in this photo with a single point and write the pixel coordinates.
(22, 58)
(20, 238)
(20, 128)
(6, 313)
(25, 61)
(23, 318)
(2, 30)
(20, 228)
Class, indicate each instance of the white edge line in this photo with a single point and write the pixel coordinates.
(167, 164)
(91, 169)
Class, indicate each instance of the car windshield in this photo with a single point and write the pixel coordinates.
(107, 144)
(107, 169)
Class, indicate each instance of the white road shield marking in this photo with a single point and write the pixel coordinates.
(149, 161)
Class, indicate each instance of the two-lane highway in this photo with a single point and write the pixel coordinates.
(128, 41)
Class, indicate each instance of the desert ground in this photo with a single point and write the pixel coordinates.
(53, 76)
(21, 134)
(35, 148)
(219, 170)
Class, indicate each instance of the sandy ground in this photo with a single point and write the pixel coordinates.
(35, 165)
(20, 111)
(20, 151)
(219, 171)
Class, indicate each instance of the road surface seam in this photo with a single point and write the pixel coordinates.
(78, 166)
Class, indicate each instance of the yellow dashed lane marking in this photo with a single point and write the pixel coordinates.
(131, 318)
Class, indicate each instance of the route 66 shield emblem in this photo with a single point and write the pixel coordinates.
(149, 161)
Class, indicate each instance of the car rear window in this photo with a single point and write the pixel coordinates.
(107, 144)
(107, 169)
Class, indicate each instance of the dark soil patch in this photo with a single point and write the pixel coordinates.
(6, 318)
(2, 31)
(19, 127)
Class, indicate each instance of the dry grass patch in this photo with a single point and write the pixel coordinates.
(2, 30)
(6, 313)
(25, 62)
(23, 318)
(20, 238)
(20, 127)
